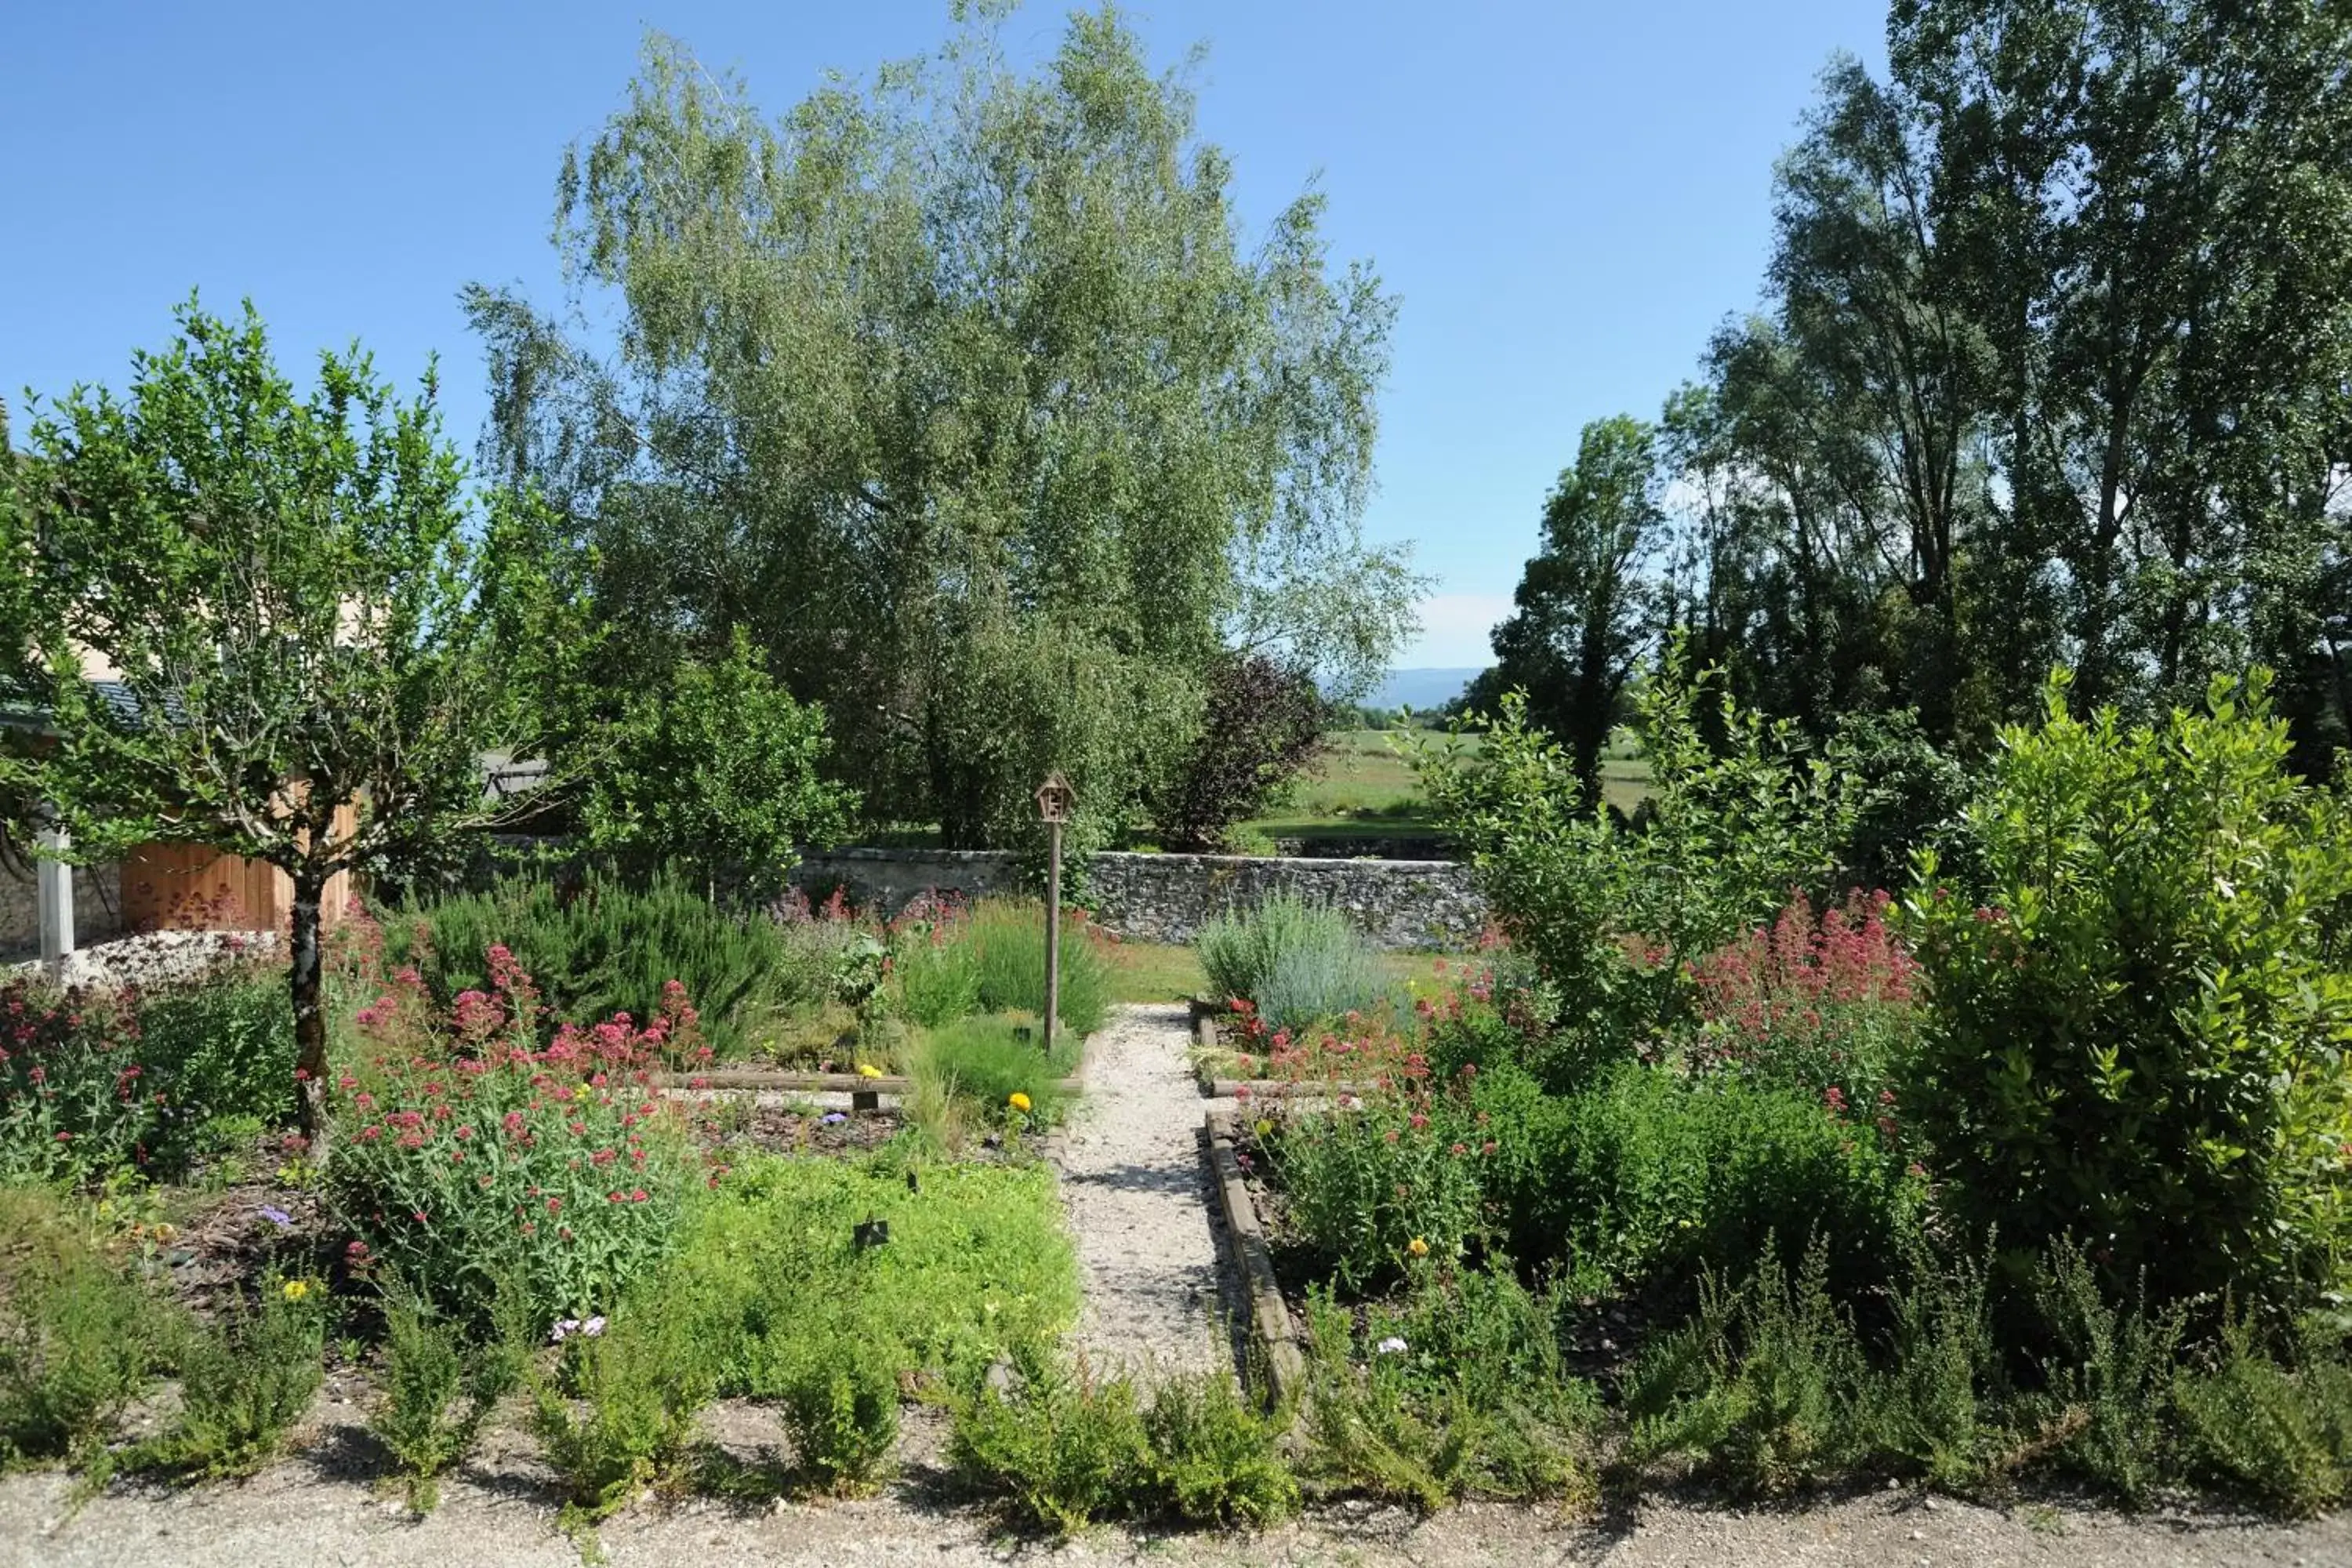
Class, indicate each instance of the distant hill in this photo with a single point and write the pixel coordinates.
(1421, 688)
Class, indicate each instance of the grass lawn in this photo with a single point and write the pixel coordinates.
(1155, 971)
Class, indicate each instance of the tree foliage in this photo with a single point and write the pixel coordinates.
(2051, 368)
(950, 383)
(1584, 604)
(293, 626)
(1732, 826)
(716, 772)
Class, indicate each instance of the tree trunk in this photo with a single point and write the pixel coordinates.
(310, 1014)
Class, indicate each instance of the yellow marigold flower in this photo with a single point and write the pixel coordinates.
(1017, 1101)
(1417, 1246)
(868, 1069)
(167, 1233)
(297, 1289)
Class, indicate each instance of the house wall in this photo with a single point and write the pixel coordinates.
(98, 908)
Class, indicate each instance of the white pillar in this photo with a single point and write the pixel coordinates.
(54, 892)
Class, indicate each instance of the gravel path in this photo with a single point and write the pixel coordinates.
(1136, 1191)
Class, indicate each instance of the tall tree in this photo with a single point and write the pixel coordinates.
(957, 393)
(1582, 603)
(285, 591)
(2053, 367)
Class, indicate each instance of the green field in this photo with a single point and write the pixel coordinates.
(1362, 786)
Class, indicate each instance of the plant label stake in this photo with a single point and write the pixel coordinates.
(1055, 799)
(872, 1233)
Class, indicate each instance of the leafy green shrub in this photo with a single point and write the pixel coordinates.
(220, 1051)
(1612, 914)
(1063, 1448)
(1372, 1187)
(1406, 1411)
(717, 768)
(2137, 1033)
(460, 1167)
(78, 1338)
(1646, 1175)
(608, 946)
(626, 1409)
(2111, 1376)
(840, 1407)
(2282, 1432)
(245, 1382)
(1907, 795)
(1007, 943)
(1216, 1458)
(984, 1063)
(1767, 1385)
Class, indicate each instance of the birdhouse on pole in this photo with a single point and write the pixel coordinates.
(1055, 799)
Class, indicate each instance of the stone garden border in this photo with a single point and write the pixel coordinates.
(1273, 1339)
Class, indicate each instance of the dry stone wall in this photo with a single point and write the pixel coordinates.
(1168, 898)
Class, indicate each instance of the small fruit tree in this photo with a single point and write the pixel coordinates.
(298, 605)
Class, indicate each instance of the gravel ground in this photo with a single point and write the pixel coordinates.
(323, 1506)
(1136, 1191)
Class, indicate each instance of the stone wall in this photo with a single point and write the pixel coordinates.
(1168, 898)
(97, 906)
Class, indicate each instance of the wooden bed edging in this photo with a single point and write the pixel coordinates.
(781, 1082)
(1286, 1366)
(1280, 1089)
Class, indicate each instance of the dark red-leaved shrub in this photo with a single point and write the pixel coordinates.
(1264, 723)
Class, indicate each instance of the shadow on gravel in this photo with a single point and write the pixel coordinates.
(1173, 1179)
(347, 1451)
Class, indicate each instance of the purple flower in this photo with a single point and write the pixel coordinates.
(278, 1217)
(832, 1117)
(567, 1326)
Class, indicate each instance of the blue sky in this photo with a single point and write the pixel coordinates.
(1567, 196)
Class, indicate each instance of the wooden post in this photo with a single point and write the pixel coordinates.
(1054, 800)
(1053, 930)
